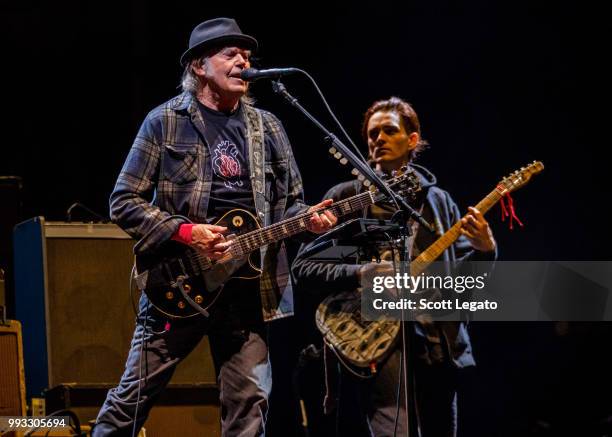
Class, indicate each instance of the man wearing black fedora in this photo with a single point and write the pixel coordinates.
(196, 157)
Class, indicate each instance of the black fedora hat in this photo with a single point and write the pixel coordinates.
(213, 32)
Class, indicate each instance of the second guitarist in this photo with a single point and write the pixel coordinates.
(392, 131)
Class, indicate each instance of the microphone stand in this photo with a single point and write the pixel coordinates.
(407, 332)
(403, 215)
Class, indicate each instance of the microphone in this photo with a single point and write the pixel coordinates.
(253, 74)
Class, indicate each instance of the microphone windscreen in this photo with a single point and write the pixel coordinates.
(248, 74)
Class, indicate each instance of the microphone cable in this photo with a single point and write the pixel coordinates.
(142, 351)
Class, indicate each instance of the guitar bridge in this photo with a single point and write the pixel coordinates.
(175, 269)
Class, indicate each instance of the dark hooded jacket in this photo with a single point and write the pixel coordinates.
(442, 212)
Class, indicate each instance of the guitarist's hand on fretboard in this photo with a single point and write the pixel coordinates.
(322, 222)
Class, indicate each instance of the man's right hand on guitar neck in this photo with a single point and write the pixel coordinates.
(208, 239)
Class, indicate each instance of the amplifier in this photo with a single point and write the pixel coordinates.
(2, 295)
(72, 297)
(12, 380)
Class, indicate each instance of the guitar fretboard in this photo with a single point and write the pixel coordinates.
(246, 243)
(420, 263)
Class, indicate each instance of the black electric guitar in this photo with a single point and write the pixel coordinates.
(180, 282)
(363, 343)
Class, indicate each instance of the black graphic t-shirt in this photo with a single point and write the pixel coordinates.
(231, 184)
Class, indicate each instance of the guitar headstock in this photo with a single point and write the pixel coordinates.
(520, 177)
(404, 182)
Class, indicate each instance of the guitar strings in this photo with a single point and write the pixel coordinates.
(259, 237)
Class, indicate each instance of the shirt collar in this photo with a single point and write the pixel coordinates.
(186, 101)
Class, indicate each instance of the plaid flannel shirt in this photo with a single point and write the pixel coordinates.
(169, 172)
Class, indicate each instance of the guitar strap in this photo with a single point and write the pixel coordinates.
(255, 144)
(255, 141)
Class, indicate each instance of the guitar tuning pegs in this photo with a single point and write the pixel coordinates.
(367, 183)
(343, 161)
(355, 172)
(332, 150)
(361, 178)
(338, 155)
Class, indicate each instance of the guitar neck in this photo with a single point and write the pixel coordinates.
(420, 263)
(246, 243)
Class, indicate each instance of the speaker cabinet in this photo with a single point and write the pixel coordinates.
(12, 381)
(2, 294)
(72, 297)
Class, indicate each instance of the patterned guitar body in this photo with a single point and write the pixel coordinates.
(359, 342)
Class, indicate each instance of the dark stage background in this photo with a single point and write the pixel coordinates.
(496, 85)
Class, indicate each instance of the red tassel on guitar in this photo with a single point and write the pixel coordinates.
(508, 210)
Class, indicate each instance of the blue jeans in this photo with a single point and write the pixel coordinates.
(240, 353)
